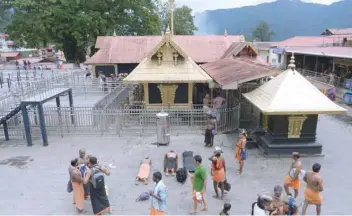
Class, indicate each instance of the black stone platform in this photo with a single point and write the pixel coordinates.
(267, 147)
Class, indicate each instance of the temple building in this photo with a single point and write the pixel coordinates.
(168, 75)
(289, 106)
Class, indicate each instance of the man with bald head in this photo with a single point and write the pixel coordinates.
(313, 189)
(292, 178)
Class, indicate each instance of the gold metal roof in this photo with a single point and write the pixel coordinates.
(149, 71)
(161, 66)
(291, 93)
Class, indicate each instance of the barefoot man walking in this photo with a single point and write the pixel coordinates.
(199, 183)
(292, 178)
(313, 189)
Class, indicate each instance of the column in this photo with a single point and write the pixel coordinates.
(58, 107)
(42, 124)
(26, 124)
(190, 94)
(316, 64)
(70, 98)
(6, 131)
(304, 62)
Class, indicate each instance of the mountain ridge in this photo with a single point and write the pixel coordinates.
(286, 18)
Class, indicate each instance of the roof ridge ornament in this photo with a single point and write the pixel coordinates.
(225, 32)
(114, 34)
(292, 65)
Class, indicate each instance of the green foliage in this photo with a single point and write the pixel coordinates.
(5, 15)
(74, 24)
(262, 32)
(183, 19)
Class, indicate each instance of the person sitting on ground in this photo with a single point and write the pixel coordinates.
(226, 209)
(170, 163)
(144, 171)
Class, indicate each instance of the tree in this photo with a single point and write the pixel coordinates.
(183, 19)
(262, 32)
(75, 24)
(5, 14)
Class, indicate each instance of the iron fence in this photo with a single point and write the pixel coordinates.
(118, 122)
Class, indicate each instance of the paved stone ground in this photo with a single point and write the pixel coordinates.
(34, 179)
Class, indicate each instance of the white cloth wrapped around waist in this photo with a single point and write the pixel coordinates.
(301, 174)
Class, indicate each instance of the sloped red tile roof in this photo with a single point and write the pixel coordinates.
(2, 35)
(345, 31)
(132, 49)
(238, 69)
(9, 54)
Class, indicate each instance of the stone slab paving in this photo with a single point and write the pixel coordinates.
(34, 179)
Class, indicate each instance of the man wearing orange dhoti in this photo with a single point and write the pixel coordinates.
(313, 189)
(292, 178)
(218, 174)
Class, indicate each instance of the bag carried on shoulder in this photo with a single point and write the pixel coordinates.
(244, 154)
(97, 179)
(69, 186)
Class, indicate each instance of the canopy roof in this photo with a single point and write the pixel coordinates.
(291, 94)
(161, 66)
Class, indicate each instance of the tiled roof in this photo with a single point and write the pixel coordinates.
(337, 52)
(133, 49)
(229, 70)
(236, 48)
(9, 54)
(2, 35)
(345, 31)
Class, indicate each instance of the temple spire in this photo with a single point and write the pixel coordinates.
(172, 9)
(225, 32)
(292, 65)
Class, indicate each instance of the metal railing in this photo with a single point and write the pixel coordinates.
(329, 79)
(88, 121)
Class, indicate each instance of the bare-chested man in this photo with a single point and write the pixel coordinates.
(292, 178)
(313, 189)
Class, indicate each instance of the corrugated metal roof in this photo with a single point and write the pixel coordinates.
(238, 69)
(133, 49)
(309, 41)
(337, 52)
(291, 93)
(345, 31)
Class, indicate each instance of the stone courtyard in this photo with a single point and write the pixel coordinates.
(34, 178)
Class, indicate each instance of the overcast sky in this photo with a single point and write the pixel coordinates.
(202, 5)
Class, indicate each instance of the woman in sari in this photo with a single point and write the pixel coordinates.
(218, 174)
(77, 185)
(240, 147)
(98, 196)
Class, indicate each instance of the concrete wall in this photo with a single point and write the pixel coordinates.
(276, 61)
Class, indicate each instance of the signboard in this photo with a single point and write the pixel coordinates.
(279, 51)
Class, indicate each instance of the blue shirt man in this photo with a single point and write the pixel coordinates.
(158, 196)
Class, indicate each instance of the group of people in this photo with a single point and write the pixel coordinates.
(87, 180)
(278, 204)
(111, 81)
